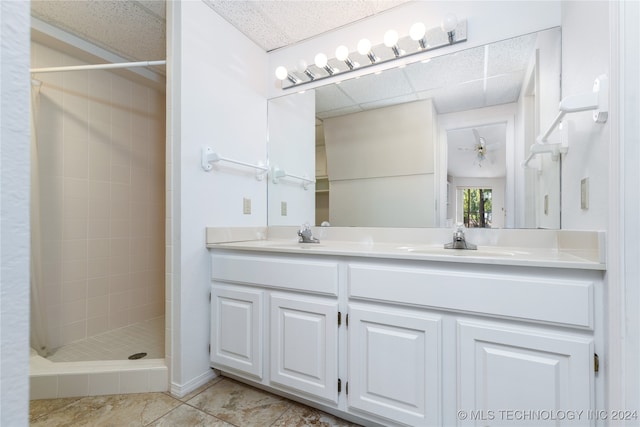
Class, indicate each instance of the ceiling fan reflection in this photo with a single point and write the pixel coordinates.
(481, 148)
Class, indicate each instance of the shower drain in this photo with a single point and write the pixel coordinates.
(137, 356)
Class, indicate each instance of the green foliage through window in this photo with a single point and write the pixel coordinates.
(477, 207)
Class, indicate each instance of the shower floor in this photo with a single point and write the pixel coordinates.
(119, 344)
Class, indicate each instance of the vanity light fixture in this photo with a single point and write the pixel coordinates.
(322, 62)
(342, 54)
(364, 48)
(395, 45)
(282, 73)
(449, 24)
(302, 67)
(417, 33)
(391, 40)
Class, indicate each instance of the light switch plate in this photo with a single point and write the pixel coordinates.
(546, 204)
(283, 208)
(246, 206)
(584, 193)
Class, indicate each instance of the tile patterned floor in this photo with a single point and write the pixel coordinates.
(222, 402)
(119, 344)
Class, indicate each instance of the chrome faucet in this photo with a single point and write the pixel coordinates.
(306, 236)
(459, 240)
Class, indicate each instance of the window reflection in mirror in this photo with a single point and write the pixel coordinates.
(476, 209)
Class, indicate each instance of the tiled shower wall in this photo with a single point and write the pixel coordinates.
(101, 142)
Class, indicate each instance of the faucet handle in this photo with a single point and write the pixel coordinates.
(306, 235)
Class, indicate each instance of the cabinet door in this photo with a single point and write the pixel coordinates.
(395, 364)
(504, 369)
(236, 329)
(304, 344)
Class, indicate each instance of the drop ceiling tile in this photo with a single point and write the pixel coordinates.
(331, 97)
(461, 97)
(291, 21)
(505, 88)
(249, 18)
(157, 7)
(510, 55)
(339, 112)
(390, 101)
(446, 70)
(123, 27)
(389, 84)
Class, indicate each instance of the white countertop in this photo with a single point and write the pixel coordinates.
(489, 255)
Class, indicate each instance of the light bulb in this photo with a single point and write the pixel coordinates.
(342, 53)
(417, 31)
(364, 46)
(449, 23)
(390, 38)
(321, 60)
(281, 73)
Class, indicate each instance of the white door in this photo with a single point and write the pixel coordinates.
(236, 330)
(304, 344)
(395, 364)
(523, 376)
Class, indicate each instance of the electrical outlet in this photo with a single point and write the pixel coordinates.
(584, 193)
(246, 206)
(283, 208)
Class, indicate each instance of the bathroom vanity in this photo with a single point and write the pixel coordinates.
(413, 334)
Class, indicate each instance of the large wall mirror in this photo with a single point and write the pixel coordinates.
(429, 144)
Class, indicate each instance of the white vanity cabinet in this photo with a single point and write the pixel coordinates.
(275, 321)
(236, 329)
(304, 344)
(503, 369)
(394, 364)
(513, 339)
(422, 342)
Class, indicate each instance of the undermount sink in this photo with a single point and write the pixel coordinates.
(295, 245)
(440, 250)
(437, 250)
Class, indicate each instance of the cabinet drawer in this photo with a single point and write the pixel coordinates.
(533, 297)
(279, 272)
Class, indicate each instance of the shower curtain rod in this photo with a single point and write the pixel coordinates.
(99, 66)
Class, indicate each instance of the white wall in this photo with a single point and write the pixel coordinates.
(14, 212)
(216, 97)
(391, 183)
(623, 257)
(292, 148)
(585, 55)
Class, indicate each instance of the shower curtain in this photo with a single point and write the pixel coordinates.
(39, 341)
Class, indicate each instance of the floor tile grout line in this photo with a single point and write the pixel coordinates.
(210, 414)
(162, 416)
(291, 405)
